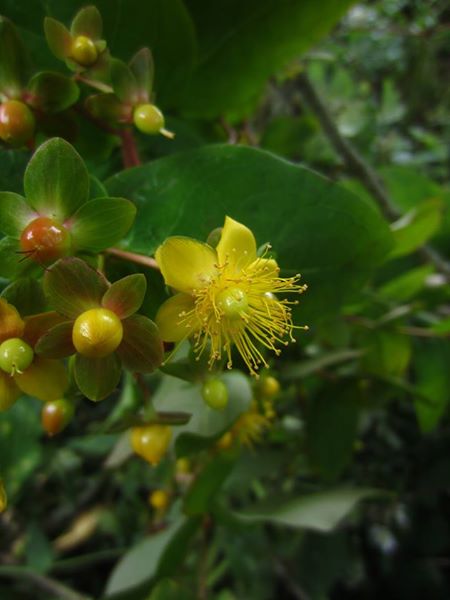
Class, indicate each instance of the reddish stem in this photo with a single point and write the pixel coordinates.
(130, 155)
(140, 259)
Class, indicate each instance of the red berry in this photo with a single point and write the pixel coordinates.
(45, 240)
(56, 415)
(16, 123)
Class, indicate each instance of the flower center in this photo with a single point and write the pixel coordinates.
(15, 356)
(45, 240)
(97, 332)
(232, 302)
(84, 51)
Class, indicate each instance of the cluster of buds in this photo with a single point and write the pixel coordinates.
(41, 102)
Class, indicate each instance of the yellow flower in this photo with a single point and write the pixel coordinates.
(227, 296)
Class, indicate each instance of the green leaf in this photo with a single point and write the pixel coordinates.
(158, 555)
(97, 378)
(13, 62)
(388, 353)
(141, 349)
(201, 494)
(268, 33)
(56, 180)
(317, 228)
(57, 342)
(407, 285)
(124, 82)
(170, 590)
(13, 264)
(26, 295)
(73, 287)
(432, 377)
(15, 214)
(125, 297)
(88, 22)
(331, 428)
(416, 227)
(101, 223)
(52, 92)
(320, 511)
(58, 38)
(206, 425)
(12, 169)
(142, 67)
(107, 107)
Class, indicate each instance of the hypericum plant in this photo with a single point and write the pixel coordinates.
(100, 326)
(132, 99)
(24, 100)
(227, 297)
(151, 442)
(21, 370)
(56, 218)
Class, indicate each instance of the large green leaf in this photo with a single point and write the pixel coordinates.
(321, 511)
(315, 227)
(158, 554)
(242, 43)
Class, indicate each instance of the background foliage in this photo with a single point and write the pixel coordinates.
(363, 408)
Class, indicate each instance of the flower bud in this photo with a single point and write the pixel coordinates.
(148, 119)
(45, 240)
(215, 394)
(151, 442)
(269, 387)
(15, 356)
(17, 123)
(84, 51)
(97, 332)
(56, 415)
(159, 500)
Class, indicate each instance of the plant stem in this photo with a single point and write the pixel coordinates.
(358, 166)
(98, 85)
(139, 259)
(130, 155)
(46, 584)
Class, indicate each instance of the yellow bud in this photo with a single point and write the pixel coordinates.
(183, 466)
(97, 332)
(159, 499)
(226, 441)
(84, 51)
(151, 442)
(269, 387)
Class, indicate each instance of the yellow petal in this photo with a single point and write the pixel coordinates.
(3, 497)
(186, 264)
(45, 379)
(173, 318)
(11, 325)
(237, 245)
(9, 392)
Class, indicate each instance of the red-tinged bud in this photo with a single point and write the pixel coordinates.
(45, 240)
(56, 415)
(17, 123)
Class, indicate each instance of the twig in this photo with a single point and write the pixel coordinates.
(46, 584)
(130, 154)
(98, 85)
(139, 259)
(357, 165)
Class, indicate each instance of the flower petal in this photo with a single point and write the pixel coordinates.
(171, 318)
(141, 350)
(45, 379)
(186, 264)
(11, 325)
(56, 342)
(37, 325)
(125, 296)
(9, 392)
(73, 287)
(97, 377)
(237, 245)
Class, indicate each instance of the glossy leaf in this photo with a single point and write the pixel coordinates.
(26, 295)
(97, 378)
(416, 227)
(56, 342)
(125, 297)
(45, 379)
(141, 349)
(88, 22)
(101, 223)
(333, 238)
(123, 82)
(15, 214)
(13, 263)
(53, 92)
(142, 67)
(72, 287)
(56, 180)
(58, 38)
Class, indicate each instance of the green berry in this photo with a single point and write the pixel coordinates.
(15, 356)
(148, 119)
(215, 394)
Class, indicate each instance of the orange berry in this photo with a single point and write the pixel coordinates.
(45, 240)
(17, 123)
